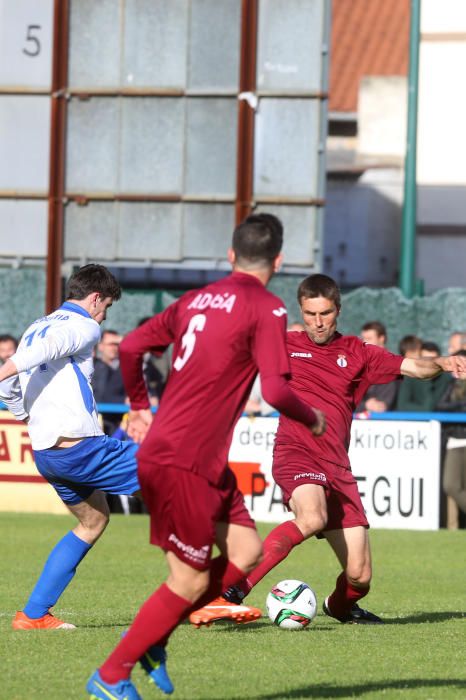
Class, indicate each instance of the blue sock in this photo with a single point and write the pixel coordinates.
(57, 573)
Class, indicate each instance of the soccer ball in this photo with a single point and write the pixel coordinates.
(291, 604)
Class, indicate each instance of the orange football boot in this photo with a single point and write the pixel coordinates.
(222, 609)
(46, 622)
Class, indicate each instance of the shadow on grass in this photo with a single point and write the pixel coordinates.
(104, 625)
(419, 618)
(230, 626)
(326, 690)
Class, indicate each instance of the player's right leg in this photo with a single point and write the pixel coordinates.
(61, 565)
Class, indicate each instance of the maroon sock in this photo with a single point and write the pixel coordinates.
(223, 574)
(344, 596)
(158, 616)
(277, 545)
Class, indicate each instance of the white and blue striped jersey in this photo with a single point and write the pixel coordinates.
(55, 365)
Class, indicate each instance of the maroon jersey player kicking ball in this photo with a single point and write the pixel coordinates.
(331, 372)
(222, 335)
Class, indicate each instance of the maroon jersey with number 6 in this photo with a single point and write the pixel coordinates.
(222, 335)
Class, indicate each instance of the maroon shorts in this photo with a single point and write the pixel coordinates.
(185, 508)
(293, 467)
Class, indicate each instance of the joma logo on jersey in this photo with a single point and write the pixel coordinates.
(279, 312)
(224, 302)
(300, 354)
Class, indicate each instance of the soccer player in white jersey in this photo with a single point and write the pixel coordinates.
(46, 383)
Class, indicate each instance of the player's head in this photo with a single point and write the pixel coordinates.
(96, 288)
(320, 302)
(257, 243)
(92, 278)
(374, 333)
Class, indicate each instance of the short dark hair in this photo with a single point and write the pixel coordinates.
(258, 240)
(376, 326)
(108, 331)
(430, 347)
(7, 338)
(93, 278)
(319, 286)
(409, 342)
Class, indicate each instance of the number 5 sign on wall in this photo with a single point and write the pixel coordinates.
(33, 40)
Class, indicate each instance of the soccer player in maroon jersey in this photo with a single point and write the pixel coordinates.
(222, 335)
(331, 372)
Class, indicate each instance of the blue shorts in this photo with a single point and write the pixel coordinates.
(94, 463)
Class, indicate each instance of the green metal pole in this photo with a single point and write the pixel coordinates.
(408, 227)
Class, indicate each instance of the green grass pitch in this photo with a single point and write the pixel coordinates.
(419, 588)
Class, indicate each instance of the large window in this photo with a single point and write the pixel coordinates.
(174, 119)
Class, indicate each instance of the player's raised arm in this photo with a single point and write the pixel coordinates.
(54, 344)
(428, 367)
(152, 336)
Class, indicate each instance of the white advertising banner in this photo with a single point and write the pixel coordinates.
(396, 464)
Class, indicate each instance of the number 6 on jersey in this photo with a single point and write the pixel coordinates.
(188, 341)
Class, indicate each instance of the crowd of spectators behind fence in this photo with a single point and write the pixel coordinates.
(443, 393)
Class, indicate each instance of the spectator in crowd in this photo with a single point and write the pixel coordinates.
(422, 395)
(454, 467)
(379, 397)
(8, 347)
(295, 326)
(107, 382)
(456, 341)
(410, 346)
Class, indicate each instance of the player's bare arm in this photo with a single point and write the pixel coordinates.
(426, 368)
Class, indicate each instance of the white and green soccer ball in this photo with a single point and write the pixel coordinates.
(291, 604)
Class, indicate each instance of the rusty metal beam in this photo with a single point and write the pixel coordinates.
(247, 84)
(53, 295)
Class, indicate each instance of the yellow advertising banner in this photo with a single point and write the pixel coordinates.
(22, 488)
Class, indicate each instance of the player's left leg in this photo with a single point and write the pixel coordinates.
(184, 527)
(61, 565)
(352, 548)
(146, 639)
